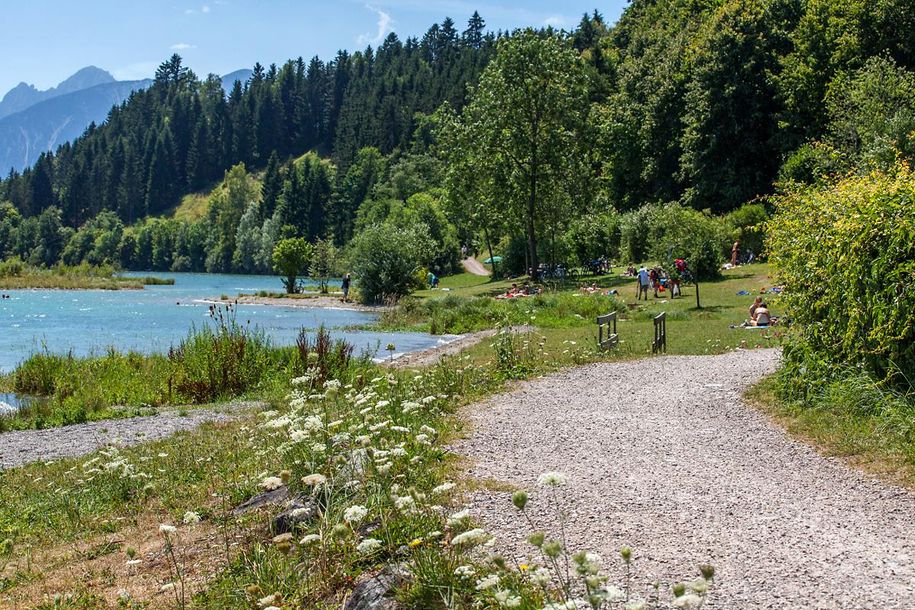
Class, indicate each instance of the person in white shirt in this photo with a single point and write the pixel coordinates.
(644, 283)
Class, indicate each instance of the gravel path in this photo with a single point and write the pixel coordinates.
(688, 474)
(23, 446)
(472, 265)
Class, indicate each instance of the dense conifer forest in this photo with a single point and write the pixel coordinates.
(707, 103)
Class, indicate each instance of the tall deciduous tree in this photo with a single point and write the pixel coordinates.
(520, 134)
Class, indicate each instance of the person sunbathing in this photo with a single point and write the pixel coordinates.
(763, 317)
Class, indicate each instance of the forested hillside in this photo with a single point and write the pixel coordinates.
(705, 103)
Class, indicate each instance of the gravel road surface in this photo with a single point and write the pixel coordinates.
(23, 446)
(663, 455)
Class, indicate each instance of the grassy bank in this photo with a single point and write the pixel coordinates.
(852, 418)
(16, 275)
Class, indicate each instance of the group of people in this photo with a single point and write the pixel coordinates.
(657, 279)
(521, 291)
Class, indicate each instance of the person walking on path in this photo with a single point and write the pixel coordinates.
(644, 281)
(345, 287)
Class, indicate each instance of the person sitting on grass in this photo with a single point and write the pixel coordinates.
(756, 303)
(763, 317)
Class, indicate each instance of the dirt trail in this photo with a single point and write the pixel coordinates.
(472, 265)
(686, 473)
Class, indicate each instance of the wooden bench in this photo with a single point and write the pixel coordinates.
(612, 339)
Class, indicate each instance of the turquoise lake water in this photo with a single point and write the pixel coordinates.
(154, 319)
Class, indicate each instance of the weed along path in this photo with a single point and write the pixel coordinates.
(663, 455)
(21, 447)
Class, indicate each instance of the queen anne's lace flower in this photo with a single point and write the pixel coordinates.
(355, 513)
(271, 483)
(471, 537)
(191, 518)
(488, 582)
(369, 545)
(552, 479)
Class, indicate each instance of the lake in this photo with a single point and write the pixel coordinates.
(154, 319)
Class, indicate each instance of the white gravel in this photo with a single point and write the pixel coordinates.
(23, 446)
(662, 455)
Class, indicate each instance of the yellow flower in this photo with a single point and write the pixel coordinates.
(524, 567)
(415, 542)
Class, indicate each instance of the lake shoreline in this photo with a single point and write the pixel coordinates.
(317, 301)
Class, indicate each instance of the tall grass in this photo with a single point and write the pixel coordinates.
(219, 361)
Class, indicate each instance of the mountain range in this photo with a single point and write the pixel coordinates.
(34, 121)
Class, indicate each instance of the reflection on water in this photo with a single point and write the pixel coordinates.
(10, 403)
(86, 322)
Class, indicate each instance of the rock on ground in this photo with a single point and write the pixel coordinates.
(664, 456)
(20, 447)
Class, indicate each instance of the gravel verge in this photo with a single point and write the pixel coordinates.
(21, 447)
(664, 456)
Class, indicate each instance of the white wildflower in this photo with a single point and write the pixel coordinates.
(427, 430)
(458, 518)
(636, 604)
(314, 480)
(541, 576)
(310, 539)
(687, 601)
(471, 537)
(552, 479)
(369, 545)
(134, 562)
(165, 528)
(355, 513)
(271, 483)
(506, 599)
(444, 488)
(191, 518)
(488, 582)
(464, 571)
(404, 503)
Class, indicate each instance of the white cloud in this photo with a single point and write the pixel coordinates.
(182, 46)
(205, 9)
(384, 28)
(557, 21)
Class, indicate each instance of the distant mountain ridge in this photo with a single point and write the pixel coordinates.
(33, 121)
(24, 95)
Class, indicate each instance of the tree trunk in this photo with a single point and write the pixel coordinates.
(531, 227)
(492, 258)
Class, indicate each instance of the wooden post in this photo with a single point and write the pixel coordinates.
(659, 343)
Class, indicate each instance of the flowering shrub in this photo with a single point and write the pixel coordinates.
(845, 254)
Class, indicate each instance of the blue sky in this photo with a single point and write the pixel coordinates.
(44, 41)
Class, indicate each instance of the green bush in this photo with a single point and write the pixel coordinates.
(385, 261)
(846, 256)
(748, 224)
(677, 231)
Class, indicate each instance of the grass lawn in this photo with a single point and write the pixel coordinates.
(564, 314)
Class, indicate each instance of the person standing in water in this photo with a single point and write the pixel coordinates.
(345, 287)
